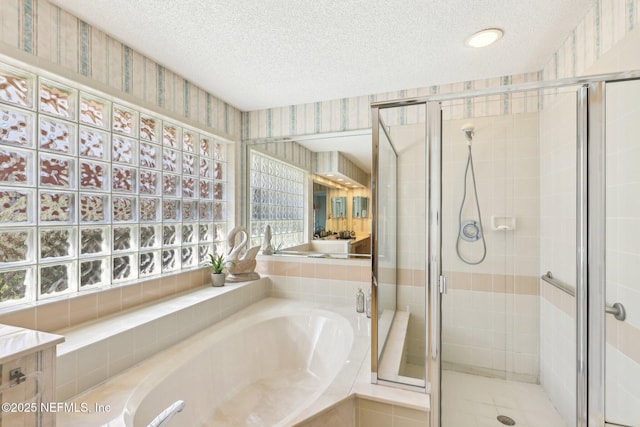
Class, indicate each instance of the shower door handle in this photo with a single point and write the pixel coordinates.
(374, 279)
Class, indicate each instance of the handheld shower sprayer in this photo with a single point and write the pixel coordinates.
(469, 131)
(470, 230)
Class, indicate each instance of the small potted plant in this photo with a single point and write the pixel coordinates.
(217, 264)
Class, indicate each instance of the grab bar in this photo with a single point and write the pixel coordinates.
(616, 309)
(163, 417)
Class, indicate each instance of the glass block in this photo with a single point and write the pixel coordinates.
(170, 260)
(16, 166)
(94, 143)
(218, 191)
(94, 176)
(189, 233)
(17, 245)
(205, 233)
(150, 155)
(170, 160)
(94, 272)
(171, 235)
(189, 187)
(57, 207)
(203, 253)
(13, 282)
(219, 211)
(149, 209)
(124, 267)
(125, 121)
(170, 135)
(189, 164)
(94, 111)
(16, 86)
(150, 263)
(205, 168)
(124, 150)
(219, 151)
(94, 240)
(56, 135)
(189, 256)
(219, 248)
(205, 147)
(170, 185)
(57, 278)
(150, 236)
(124, 208)
(16, 127)
(206, 189)
(94, 208)
(149, 182)
(17, 207)
(220, 231)
(189, 139)
(189, 210)
(206, 211)
(123, 179)
(170, 210)
(57, 242)
(219, 171)
(125, 238)
(57, 171)
(149, 128)
(58, 99)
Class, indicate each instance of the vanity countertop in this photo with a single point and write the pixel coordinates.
(16, 342)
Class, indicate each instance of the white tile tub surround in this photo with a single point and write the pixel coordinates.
(254, 355)
(98, 350)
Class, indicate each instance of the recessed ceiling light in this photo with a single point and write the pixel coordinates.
(485, 37)
(340, 179)
(329, 174)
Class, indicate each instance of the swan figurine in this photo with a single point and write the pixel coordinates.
(241, 266)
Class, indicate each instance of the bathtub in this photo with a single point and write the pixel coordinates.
(267, 365)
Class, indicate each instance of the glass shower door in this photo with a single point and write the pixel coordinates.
(622, 354)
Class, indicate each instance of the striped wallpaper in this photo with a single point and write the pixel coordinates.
(607, 23)
(51, 35)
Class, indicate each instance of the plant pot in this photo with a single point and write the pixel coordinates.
(217, 279)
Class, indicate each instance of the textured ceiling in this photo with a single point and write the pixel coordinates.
(256, 54)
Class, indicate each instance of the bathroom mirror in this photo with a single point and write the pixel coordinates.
(338, 207)
(320, 194)
(360, 207)
(328, 163)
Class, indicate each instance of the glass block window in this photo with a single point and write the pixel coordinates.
(277, 198)
(94, 192)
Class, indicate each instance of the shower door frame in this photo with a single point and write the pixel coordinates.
(590, 236)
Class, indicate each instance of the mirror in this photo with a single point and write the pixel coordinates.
(314, 213)
(320, 194)
(338, 207)
(360, 207)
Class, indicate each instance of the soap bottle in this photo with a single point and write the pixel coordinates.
(360, 301)
(368, 304)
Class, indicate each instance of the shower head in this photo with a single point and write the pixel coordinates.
(468, 129)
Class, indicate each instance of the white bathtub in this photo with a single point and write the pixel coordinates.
(263, 366)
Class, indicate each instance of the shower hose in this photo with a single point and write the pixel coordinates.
(478, 225)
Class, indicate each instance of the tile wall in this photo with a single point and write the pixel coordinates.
(558, 250)
(490, 315)
(333, 281)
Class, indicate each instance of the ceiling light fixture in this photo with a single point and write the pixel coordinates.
(485, 37)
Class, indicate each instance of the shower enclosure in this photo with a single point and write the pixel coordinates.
(532, 332)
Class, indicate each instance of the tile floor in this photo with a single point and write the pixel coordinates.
(476, 401)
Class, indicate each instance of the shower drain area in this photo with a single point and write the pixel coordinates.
(507, 421)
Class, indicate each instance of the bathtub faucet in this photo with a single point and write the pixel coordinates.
(163, 417)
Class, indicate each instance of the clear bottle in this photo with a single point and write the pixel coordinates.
(360, 301)
(368, 304)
